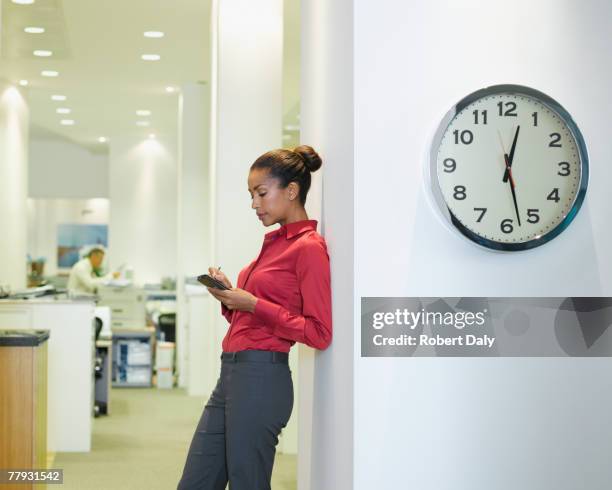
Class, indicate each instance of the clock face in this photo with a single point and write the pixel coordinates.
(509, 167)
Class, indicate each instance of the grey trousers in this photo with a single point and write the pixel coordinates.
(237, 435)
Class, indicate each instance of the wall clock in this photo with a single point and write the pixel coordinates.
(509, 167)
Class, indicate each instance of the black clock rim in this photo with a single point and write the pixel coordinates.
(582, 151)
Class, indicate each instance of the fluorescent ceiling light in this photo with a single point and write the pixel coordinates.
(151, 136)
(102, 139)
(34, 30)
(142, 123)
(43, 53)
(170, 89)
(63, 110)
(143, 112)
(23, 83)
(67, 122)
(23, 2)
(154, 34)
(151, 57)
(49, 73)
(59, 98)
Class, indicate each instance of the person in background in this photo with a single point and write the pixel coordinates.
(85, 274)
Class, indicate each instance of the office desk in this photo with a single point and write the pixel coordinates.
(70, 364)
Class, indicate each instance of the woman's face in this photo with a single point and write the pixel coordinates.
(270, 202)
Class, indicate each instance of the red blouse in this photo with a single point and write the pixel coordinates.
(291, 281)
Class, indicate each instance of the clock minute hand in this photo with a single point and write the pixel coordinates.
(511, 156)
(509, 171)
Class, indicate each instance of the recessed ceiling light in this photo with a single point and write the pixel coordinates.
(151, 136)
(151, 57)
(34, 30)
(49, 73)
(143, 112)
(23, 2)
(170, 89)
(102, 139)
(23, 83)
(67, 122)
(154, 34)
(142, 123)
(43, 53)
(59, 98)
(63, 110)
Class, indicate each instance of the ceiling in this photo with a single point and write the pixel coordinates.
(97, 47)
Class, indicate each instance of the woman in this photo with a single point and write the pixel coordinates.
(282, 297)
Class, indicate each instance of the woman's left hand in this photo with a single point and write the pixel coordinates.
(235, 298)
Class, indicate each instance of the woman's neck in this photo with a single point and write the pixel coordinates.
(297, 215)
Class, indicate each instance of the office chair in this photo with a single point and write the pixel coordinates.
(99, 407)
(166, 327)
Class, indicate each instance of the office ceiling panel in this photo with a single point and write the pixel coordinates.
(96, 47)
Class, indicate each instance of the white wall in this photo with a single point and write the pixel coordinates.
(246, 106)
(14, 120)
(194, 315)
(246, 122)
(476, 424)
(325, 456)
(44, 215)
(64, 170)
(143, 212)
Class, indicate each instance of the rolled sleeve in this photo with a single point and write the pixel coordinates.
(226, 312)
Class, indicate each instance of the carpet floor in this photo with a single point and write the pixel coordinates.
(143, 443)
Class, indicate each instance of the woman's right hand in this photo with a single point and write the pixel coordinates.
(220, 276)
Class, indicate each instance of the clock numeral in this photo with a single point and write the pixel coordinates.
(554, 195)
(450, 165)
(506, 226)
(565, 169)
(459, 193)
(555, 139)
(510, 109)
(533, 216)
(484, 116)
(466, 136)
(535, 118)
(482, 213)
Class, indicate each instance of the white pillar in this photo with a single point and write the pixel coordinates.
(14, 124)
(246, 78)
(142, 227)
(325, 457)
(247, 88)
(194, 350)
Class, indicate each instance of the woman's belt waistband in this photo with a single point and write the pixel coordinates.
(256, 356)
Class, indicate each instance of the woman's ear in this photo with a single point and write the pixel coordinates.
(293, 190)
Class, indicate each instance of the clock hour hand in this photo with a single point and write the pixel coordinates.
(508, 171)
(511, 156)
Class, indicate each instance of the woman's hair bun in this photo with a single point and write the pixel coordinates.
(312, 160)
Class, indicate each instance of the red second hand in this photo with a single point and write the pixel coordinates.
(509, 170)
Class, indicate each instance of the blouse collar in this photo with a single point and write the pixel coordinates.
(293, 229)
